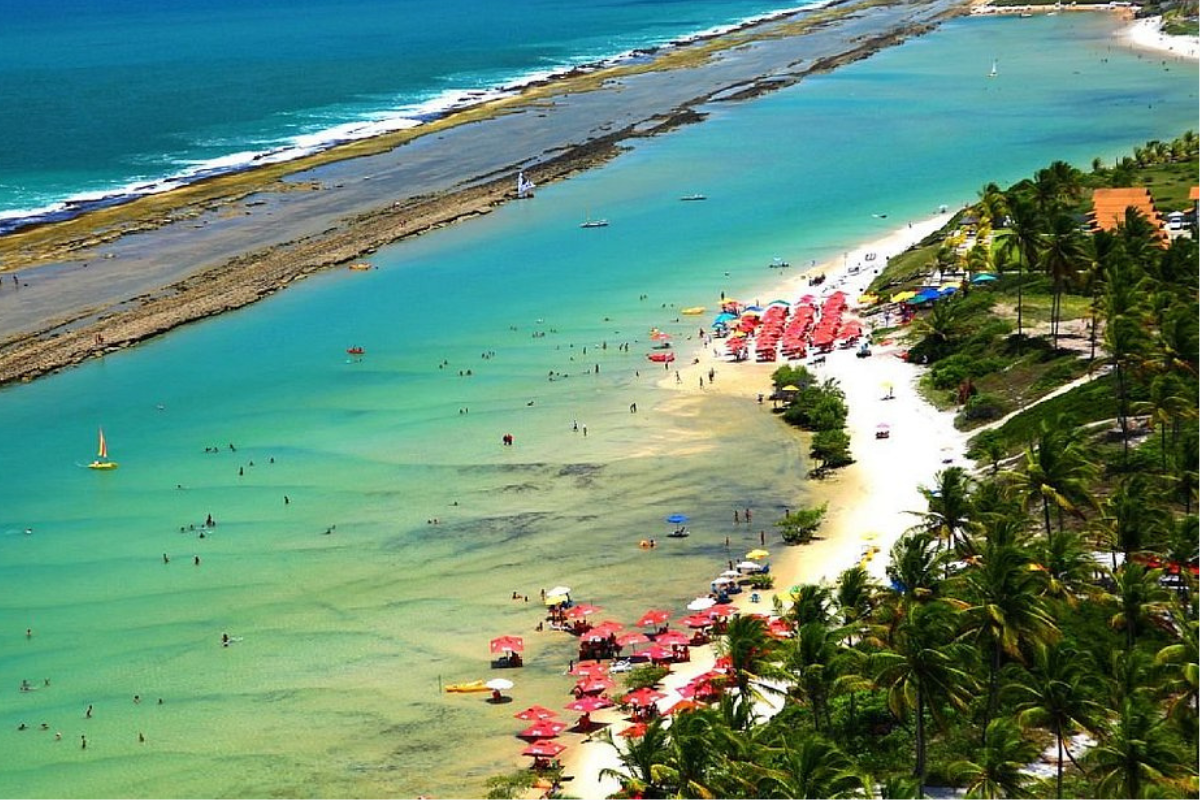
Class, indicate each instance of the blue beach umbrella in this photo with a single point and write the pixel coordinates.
(984, 277)
(724, 317)
(677, 519)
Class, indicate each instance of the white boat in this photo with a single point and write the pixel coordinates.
(992, 74)
(525, 187)
(594, 223)
(693, 197)
(778, 263)
(102, 461)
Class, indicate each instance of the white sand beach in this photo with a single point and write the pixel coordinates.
(867, 501)
(1147, 34)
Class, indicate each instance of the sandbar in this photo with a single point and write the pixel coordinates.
(109, 279)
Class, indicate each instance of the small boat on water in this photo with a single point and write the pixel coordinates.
(687, 197)
(778, 263)
(594, 223)
(692, 311)
(355, 351)
(102, 461)
(662, 356)
(361, 266)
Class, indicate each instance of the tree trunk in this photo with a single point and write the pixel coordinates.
(1058, 780)
(920, 742)
(993, 687)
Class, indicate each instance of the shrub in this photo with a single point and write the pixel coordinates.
(832, 448)
(799, 526)
(982, 407)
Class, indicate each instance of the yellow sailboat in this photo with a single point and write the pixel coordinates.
(102, 461)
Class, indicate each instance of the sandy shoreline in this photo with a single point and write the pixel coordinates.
(923, 441)
(108, 281)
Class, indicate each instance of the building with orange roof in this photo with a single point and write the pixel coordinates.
(1109, 207)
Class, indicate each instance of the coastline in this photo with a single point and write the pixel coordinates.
(923, 440)
(109, 280)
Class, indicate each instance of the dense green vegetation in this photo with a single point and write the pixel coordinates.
(819, 407)
(1045, 603)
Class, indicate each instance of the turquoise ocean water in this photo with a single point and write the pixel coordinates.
(113, 99)
(331, 688)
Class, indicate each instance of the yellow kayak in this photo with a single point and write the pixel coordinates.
(470, 686)
(693, 310)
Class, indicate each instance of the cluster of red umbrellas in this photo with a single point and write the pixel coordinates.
(794, 343)
(770, 331)
(826, 330)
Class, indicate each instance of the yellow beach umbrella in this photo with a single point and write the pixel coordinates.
(791, 387)
(900, 297)
(755, 555)
(868, 299)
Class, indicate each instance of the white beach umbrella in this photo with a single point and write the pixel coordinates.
(701, 603)
(499, 684)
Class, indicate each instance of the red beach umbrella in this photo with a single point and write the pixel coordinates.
(632, 638)
(590, 669)
(594, 685)
(582, 610)
(643, 697)
(698, 621)
(672, 639)
(536, 712)
(543, 729)
(508, 644)
(588, 704)
(634, 730)
(653, 617)
(683, 705)
(656, 652)
(722, 610)
(543, 748)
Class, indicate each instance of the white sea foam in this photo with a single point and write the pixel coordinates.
(369, 124)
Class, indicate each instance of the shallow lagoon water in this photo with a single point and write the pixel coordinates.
(332, 686)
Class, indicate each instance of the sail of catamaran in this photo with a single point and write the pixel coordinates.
(525, 186)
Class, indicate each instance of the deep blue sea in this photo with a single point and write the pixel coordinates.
(126, 96)
(347, 604)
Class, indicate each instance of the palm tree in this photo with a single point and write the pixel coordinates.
(1180, 666)
(923, 672)
(1130, 519)
(915, 566)
(1004, 610)
(1068, 566)
(1139, 756)
(948, 506)
(1055, 472)
(1057, 693)
(1064, 254)
(691, 758)
(854, 595)
(1140, 598)
(814, 767)
(810, 603)
(641, 760)
(810, 657)
(1023, 239)
(997, 768)
(751, 654)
